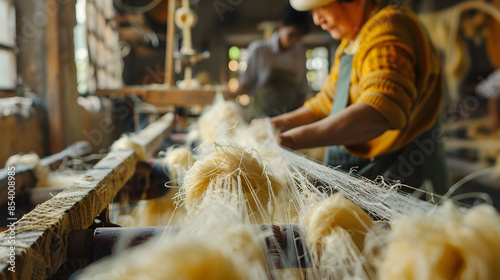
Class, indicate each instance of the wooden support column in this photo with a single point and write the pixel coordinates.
(54, 98)
(169, 52)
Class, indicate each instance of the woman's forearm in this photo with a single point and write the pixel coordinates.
(298, 117)
(359, 123)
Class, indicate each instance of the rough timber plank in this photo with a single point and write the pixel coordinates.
(40, 237)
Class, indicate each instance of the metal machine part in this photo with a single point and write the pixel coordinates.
(285, 247)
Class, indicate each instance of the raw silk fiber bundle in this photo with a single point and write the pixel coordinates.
(31, 159)
(178, 161)
(233, 169)
(45, 178)
(127, 143)
(448, 243)
(179, 158)
(333, 214)
(214, 244)
(223, 218)
(220, 118)
(163, 211)
(168, 259)
(336, 230)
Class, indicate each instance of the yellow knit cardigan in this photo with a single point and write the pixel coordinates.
(397, 71)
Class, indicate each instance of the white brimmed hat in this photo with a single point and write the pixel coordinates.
(306, 5)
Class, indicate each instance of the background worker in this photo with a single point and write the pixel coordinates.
(275, 77)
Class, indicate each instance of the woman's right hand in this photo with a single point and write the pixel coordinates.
(300, 116)
(284, 140)
(279, 122)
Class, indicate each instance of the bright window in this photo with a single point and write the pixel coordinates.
(237, 63)
(317, 67)
(8, 64)
(97, 52)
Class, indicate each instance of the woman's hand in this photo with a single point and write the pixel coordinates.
(278, 123)
(284, 140)
(257, 121)
(300, 116)
(357, 124)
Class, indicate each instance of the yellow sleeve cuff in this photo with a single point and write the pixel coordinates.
(320, 105)
(387, 107)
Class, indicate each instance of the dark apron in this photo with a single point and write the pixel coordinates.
(421, 161)
(277, 96)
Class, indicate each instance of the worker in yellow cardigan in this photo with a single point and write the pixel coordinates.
(378, 109)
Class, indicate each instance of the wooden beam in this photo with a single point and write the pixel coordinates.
(153, 135)
(479, 144)
(7, 93)
(460, 168)
(41, 236)
(169, 51)
(5, 47)
(171, 96)
(463, 124)
(54, 98)
(180, 97)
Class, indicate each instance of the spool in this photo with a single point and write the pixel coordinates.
(185, 19)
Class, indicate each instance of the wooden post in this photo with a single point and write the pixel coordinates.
(54, 89)
(4, 93)
(173, 96)
(169, 52)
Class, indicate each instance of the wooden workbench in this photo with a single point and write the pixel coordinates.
(166, 96)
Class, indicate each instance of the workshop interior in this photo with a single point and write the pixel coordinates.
(249, 139)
